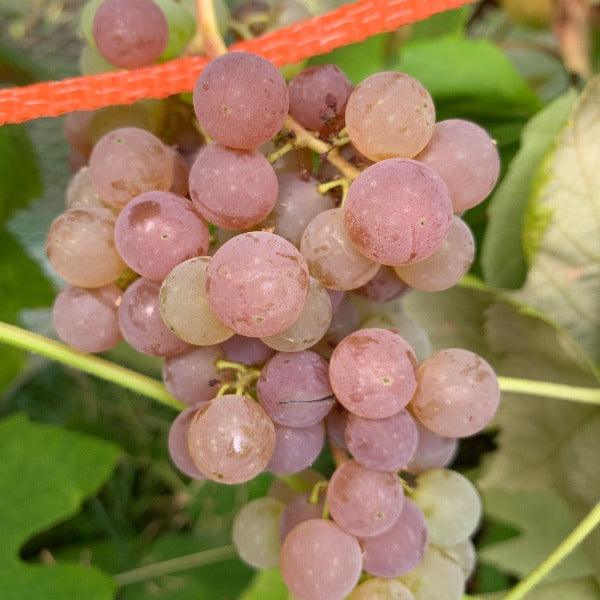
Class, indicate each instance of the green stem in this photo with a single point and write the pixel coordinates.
(547, 389)
(563, 549)
(94, 365)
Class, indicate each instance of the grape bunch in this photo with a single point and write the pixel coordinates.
(272, 287)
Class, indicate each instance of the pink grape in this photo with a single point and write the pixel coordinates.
(384, 287)
(294, 389)
(398, 211)
(241, 100)
(88, 319)
(447, 265)
(466, 158)
(336, 425)
(298, 510)
(363, 502)
(336, 297)
(433, 451)
(128, 162)
(81, 247)
(331, 257)
(344, 322)
(130, 33)
(80, 193)
(318, 96)
(231, 439)
(382, 444)
(372, 373)
(296, 448)
(158, 230)
(181, 174)
(231, 188)
(257, 284)
(178, 444)
(458, 393)
(390, 115)
(247, 351)
(320, 561)
(141, 324)
(77, 131)
(381, 589)
(399, 549)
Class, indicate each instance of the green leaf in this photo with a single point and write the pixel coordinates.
(266, 585)
(45, 475)
(566, 589)
(562, 229)
(449, 22)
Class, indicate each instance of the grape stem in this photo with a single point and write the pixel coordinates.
(547, 389)
(245, 377)
(212, 39)
(315, 493)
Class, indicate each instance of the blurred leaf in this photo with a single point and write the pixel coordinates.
(450, 22)
(17, 68)
(502, 258)
(45, 475)
(266, 585)
(584, 588)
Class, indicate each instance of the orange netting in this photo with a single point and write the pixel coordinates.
(345, 25)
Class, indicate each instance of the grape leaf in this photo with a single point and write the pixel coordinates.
(583, 588)
(45, 475)
(266, 585)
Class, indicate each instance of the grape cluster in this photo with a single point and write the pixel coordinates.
(276, 302)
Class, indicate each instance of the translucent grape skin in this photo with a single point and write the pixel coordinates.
(466, 158)
(382, 444)
(231, 439)
(318, 96)
(381, 589)
(88, 320)
(372, 373)
(231, 188)
(80, 193)
(298, 510)
(399, 549)
(130, 33)
(320, 561)
(158, 230)
(81, 247)
(311, 325)
(388, 115)
(345, 321)
(335, 423)
(255, 533)
(451, 504)
(257, 284)
(141, 324)
(398, 211)
(247, 351)
(336, 297)
(384, 287)
(363, 502)
(433, 451)
(447, 265)
(181, 174)
(296, 448)
(331, 257)
(294, 389)
(178, 444)
(458, 393)
(241, 100)
(128, 162)
(184, 305)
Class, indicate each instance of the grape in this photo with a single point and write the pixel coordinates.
(184, 305)
(381, 589)
(311, 325)
(299, 202)
(336, 297)
(446, 266)
(298, 510)
(318, 96)
(466, 158)
(192, 377)
(231, 188)
(296, 448)
(282, 491)
(345, 321)
(336, 425)
(257, 284)
(382, 444)
(231, 439)
(458, 393)
(80, 193)
(91, 62)
(247, 351)
(464, 554)
(433, 451)
(178, 446)
(384, 287)
(399, 549)
(331, 257)
(181, 26)
(320, 561)
(450, 503)
(76, 129)
(130, 33)
(363, 502)
(158, 230)
(390, 115)
(436, 578)
(181, 174)
(241, 100)
(146, 114)
(255, 533)
(397, 211)
(294, 389)
(140, 322)
(81, 247)
(87, 319)
(372, 373)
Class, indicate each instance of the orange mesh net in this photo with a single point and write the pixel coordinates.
(348, 24)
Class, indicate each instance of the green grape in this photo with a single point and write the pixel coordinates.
(91, 62)
(182, 27)
(86, 20)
